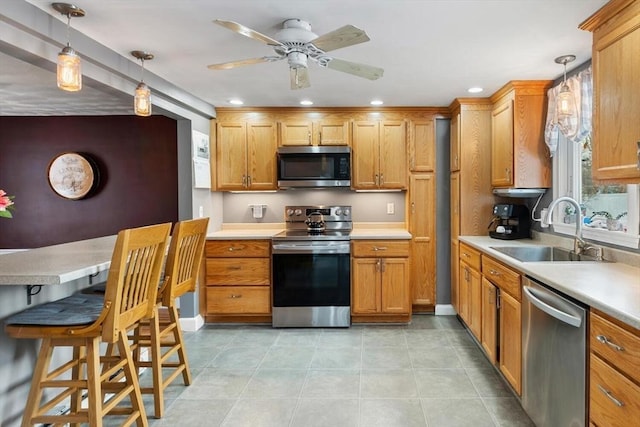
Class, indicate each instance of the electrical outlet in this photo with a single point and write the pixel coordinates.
(391, 208)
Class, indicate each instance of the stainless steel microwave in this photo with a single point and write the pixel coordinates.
(314, 167)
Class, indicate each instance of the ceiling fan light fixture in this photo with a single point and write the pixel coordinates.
(142, 95)
(565, 101)
(69, 72)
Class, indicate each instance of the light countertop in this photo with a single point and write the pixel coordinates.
(56, 264)
(611, 287)
(237, 231)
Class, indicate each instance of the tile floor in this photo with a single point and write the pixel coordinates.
(428, 373)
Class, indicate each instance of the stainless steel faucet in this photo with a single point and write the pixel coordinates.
(579, 245)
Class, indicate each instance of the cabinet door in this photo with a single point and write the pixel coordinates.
(454, 159)
(365, 288)
(502, 144)
(296, 133)
(616, 65)
(464, 295)
(455, 204)
(422, 217)
(489, 334)
(511, 340)
(475, 303)
(231, 156)
(261, 146)
(455, 273)
(393, 155)
(333, 132)
(364, 158)
(422, 149)
(395, 285)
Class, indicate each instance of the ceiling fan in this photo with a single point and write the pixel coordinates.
(297, 43)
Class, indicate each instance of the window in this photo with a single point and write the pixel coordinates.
(611, 213)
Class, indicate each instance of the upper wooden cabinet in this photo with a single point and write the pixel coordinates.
(616, 105)
(422, 145)
(519, 156)
(246, 156)
(307, 132)
(379, 157)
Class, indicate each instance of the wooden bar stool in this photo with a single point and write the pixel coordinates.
(162, 333)
(83, 322)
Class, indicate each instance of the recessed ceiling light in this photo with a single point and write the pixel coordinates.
(306, 102)
(377, 102)
(475, 89)
(236, 102)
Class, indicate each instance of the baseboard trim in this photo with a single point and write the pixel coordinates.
(191, 324)
(445, 310)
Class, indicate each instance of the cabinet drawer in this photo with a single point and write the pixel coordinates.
(619, 347)
(238, 271)
(380, 248)
(237, 248)
(503, 277)
(470, 256)
(613, 399)
(238, 300)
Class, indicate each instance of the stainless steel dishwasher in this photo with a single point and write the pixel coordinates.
(553, 357)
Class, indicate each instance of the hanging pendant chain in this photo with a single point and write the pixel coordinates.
(69, 29)
(142, 74)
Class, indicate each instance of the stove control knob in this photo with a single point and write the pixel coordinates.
(338, 211)
(346, 212)
(298, 212)
(289, 212)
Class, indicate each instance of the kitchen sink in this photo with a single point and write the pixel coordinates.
(537, 253)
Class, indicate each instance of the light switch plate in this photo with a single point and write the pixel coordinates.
(391, 208)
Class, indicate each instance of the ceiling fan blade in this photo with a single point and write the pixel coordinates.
(247, 32)
(240, 63)
(342, 37)
(299, 78)
(360, 70)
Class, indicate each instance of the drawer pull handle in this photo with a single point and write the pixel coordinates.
(234, 296)
(494, 272)
(466, 255)
(379, 248)
(235, 267)
(234, 248)
(605, 340)
(610, 396)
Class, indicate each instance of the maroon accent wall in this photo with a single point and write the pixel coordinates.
(137, 161)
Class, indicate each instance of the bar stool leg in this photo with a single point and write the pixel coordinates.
(131, 375)
(39, 375)
(96, 399)
(155, 350)
(179, 339)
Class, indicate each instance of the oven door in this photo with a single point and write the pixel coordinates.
(311, 284)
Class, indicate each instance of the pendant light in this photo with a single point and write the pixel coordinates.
(69, 75)
(142, 98)
(565, 102)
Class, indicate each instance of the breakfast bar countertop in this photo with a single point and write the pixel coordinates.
(56, 264)
(611, 287)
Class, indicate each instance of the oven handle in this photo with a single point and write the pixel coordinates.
(303, 248)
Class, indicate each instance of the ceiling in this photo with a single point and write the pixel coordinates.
(431, 51)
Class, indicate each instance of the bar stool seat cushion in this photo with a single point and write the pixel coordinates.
(78, 309)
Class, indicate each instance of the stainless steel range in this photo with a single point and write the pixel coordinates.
(311, 268)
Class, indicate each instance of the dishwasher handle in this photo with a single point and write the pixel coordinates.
(567, 318)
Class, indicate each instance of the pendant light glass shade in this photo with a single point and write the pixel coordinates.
(69, 73)
(142, 100)
(565, 102)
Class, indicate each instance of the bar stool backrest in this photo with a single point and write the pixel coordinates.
(134, 274)
(184, 258)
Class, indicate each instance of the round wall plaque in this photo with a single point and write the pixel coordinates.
(72, 175)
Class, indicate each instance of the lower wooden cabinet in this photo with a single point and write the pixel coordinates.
(237, 280)
(470, 292)
(380, 278)
(614, 378)
(497, 277)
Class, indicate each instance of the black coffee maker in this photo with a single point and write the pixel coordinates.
(510, 222)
